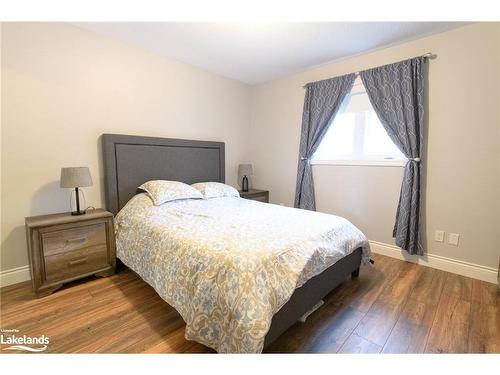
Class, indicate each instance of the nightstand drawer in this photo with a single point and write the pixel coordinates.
(260, 198)
(72, 263)
(255, 195)
(67, 240)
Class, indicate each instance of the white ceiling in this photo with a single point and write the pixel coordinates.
(258, 52)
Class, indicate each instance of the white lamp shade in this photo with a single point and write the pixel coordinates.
(75, 177)
(245, 170)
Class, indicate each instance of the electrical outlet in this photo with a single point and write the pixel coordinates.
(453, 239)
(439, 236)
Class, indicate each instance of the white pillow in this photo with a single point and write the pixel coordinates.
(162, 191)
(215, 190)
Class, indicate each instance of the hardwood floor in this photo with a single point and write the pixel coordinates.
(393, 307)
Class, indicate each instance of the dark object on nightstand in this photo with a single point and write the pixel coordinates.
(244, 184)
(64, 247)
(244, 170)
(256, 195)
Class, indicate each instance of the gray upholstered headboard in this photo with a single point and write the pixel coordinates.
(130, 161)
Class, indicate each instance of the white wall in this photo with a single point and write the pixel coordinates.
(62, 87)
(463, 164)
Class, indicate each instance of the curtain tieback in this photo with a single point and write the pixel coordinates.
(417, 159)
(303, 158)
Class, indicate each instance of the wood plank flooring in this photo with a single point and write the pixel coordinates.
(393, 307)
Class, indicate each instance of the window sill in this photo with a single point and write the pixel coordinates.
(371, 163)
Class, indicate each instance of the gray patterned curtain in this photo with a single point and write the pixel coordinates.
(396, 92)
(321, 103)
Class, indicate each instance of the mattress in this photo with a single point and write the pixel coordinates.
(227, 265)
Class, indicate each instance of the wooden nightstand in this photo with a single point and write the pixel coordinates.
(256, 195)
(62, 248)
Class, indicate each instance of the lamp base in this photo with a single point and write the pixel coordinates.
(77, 198)
(244, 184)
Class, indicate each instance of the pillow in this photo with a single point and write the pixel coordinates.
(162, 191)
(215, 190)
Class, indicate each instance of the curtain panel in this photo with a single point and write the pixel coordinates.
(321, 103)
(396, 92)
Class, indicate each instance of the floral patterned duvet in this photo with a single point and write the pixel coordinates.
(227, 265)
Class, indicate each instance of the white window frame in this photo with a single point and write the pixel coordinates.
(359, 162)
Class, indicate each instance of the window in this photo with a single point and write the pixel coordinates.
(356, 136)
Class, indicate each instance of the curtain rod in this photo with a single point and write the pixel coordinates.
(428, 55)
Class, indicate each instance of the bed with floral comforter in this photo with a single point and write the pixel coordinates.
(227, 265)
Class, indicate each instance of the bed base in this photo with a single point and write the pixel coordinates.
(305, 297)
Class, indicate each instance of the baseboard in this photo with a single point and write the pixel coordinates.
(459, 267)
(14, 276)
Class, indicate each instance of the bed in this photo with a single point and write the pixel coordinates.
(239, 272)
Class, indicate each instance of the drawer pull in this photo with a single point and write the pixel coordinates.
(77, 261)
(77, 240)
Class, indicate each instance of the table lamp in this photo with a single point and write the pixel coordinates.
(76, 177)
